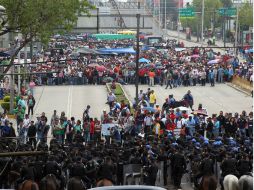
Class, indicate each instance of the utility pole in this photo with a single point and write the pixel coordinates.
(25, 66)
(224, 27)
(12, 78)
(202, 24)
(19, 73)
(178, 22)
(236, 28)
(165, 16)
(137, 54)
(154, 18)
(98, 20)
(159, 14)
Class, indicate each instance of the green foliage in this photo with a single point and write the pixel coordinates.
(6, 98)
(246, 15)
(226, 3)
(40, 19)
(5, 106)
(118, 90)
(211, 7)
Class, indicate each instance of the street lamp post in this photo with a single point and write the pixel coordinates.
(165, 16)
(236, 27)
(137, 55)
(202, 24)
(178, 22)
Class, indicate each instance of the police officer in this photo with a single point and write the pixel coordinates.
(152, 171)
(228, 166)
(244, 165)
(205, 167)
(77, 169)
(178, 165)
(107, 170)
(52, 167)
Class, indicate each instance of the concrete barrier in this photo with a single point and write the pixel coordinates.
(242, 83)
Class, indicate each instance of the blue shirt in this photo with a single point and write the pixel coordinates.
(191, 123)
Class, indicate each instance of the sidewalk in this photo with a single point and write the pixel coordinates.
(218, 43)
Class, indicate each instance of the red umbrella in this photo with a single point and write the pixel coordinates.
(195, 56)
(93, 65)
(101, 68)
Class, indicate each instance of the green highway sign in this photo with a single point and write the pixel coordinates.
(227, 11)
(186, 12)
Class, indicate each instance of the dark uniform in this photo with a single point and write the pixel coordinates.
(52, 167)
(77, 170)
(205, 168)
(228, 166)
(244, 166)
(178, 165)
(152, 173)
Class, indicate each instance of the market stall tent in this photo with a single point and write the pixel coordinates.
(117, 50)
(113, 36)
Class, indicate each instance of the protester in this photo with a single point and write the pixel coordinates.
(30, 104)
(96, 151)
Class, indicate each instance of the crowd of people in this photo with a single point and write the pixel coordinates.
(84, 151)
(64, 62)
(164, 141)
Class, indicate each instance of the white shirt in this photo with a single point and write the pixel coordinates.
(26, 122)
(3, 120)
(148, 121)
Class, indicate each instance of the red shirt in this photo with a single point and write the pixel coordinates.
(172, 116)
(92, 127)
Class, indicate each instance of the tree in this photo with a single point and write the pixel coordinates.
(211, 7)
(226, 3)
(40, 19)
(246, 15)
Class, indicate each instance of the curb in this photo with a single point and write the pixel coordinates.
(125, 94)
(238, 89)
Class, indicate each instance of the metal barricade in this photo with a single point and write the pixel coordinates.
(160, 175)
(132, 174)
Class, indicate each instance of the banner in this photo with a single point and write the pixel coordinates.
(105, 128)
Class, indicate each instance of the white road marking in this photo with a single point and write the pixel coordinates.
(68, 102)
(70, 106)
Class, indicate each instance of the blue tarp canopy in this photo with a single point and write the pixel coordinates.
(180, 49)
(4, 54)
(250, 50)
(143, 60)
(117, 50)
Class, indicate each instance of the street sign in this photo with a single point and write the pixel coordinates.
(186, 12)
(227, 11)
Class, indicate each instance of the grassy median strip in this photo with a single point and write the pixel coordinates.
(120, 94)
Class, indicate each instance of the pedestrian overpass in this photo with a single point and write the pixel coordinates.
(111, 16)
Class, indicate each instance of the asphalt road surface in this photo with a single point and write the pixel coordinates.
(70, 99)
(74, 99)
(221, 97)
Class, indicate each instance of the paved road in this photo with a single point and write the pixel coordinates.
(221, 97)
(193, 42)
(71, 99)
